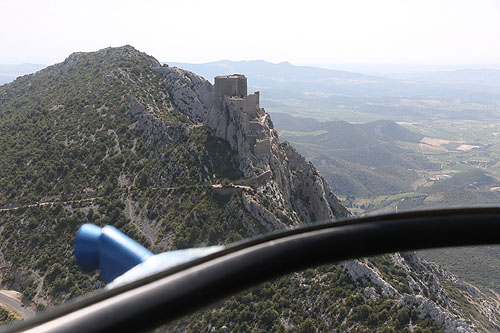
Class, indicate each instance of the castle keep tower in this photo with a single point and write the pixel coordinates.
(231, 95)
(230, 85)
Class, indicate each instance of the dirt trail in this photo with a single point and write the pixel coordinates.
(48, 203)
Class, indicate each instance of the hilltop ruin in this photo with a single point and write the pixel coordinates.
(231, 97)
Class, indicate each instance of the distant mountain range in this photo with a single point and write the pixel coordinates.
(478, 77)
(266, 75)
(290, 79)
(8, 73)
(263, 72)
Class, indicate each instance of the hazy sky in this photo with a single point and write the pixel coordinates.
(302, 32)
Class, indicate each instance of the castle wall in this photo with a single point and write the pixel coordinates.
(251, 139)
(242, 86)
(244, 123)
(262, 147)
(235, 103)
(251, 105)
(255, 126)
(255, 181)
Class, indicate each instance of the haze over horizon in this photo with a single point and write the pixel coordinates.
(450, 33)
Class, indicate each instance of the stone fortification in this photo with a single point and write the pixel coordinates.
(230, 85)
(244, 111)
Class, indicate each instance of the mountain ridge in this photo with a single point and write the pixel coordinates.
(124, 117)
(285, 68)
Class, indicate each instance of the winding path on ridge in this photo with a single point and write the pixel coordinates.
(49, 203)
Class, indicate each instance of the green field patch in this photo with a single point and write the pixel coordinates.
(328, 113)
(463, 167)
(452, 145)
(403, 196)
(300, 133)
(384, 200)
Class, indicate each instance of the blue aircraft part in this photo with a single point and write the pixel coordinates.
(87, 247)
(161, 262)
(108, 250)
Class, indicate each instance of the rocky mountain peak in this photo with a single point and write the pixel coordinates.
(111, 54)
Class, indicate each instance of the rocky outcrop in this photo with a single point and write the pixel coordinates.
(428, 308)
(261, 214)
(306, 190)
(427, 293)
(189, 93)
(156, 131)
(111, 53)
(358, 270)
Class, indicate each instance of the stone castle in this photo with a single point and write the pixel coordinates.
(231, 96)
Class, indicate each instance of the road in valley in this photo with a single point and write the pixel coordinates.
(14, 304)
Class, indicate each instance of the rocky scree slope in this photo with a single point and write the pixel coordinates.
(113, 137)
